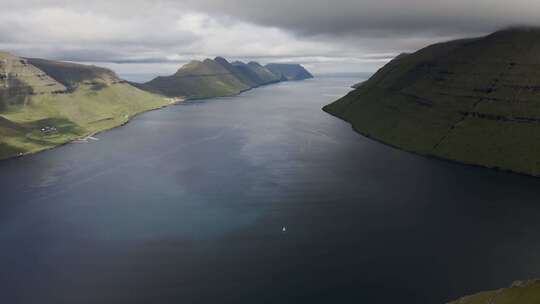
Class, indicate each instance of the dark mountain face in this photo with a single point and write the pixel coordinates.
(475, 101)
(255, 64)
(289, 71)
(245, 72)
(245, 75)
(71, 74)
(259, 74)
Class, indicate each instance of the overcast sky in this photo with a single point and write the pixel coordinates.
(325, 35)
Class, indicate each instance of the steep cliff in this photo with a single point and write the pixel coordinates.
(289, 71)
(46, 103)
(475, 101)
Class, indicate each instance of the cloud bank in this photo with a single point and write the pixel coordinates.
(347, 34)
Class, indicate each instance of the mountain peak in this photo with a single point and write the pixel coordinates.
(19, 78)
(73, 74)
(517, 33)
(220, 59)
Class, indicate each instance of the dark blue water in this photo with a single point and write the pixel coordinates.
(187, 205)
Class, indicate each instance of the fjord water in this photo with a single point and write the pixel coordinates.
(187, 205)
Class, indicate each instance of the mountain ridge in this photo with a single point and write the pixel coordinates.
(46, 103)
(472, 101)
(218, 78)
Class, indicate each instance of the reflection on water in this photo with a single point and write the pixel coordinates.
(187, 205)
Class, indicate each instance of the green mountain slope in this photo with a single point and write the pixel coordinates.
(289, 71)
(198, 79)
(19, 79)
(476, 101)
(245, 76)
(527, 292)
(41, 110)
(46, 103)
(258, 74)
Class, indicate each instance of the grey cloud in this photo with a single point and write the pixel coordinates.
(316, 32)
(373, 18)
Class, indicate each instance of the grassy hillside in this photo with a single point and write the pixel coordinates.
(475, 101)
(72, 75)
(19, 79)
(519, 293)
(258, 74)
(198, 79)
(97, 100)
(289, 71)
(246, 76)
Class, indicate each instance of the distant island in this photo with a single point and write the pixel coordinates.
(475, 101)
(46, 103)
